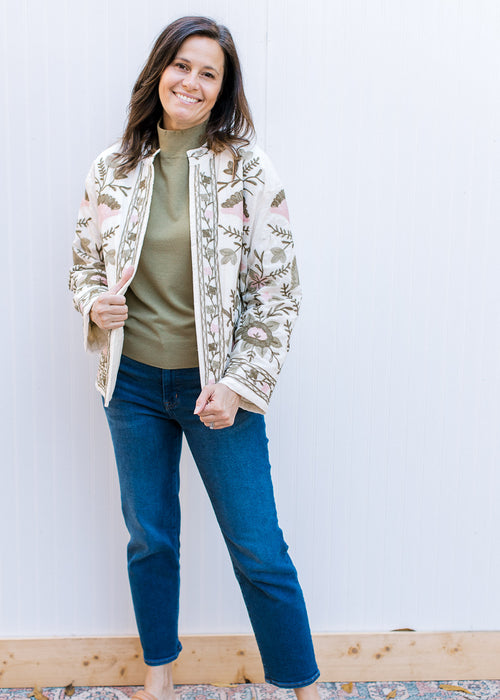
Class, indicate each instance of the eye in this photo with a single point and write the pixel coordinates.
(182, 66)
(209, 75)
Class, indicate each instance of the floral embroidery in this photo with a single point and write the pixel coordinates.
(246, 283)
(259, 334)
(211, 311)
(255, 378)
(136, 220)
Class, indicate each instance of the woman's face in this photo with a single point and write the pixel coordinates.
(189, 86)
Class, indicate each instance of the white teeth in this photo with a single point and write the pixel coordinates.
(185, 98)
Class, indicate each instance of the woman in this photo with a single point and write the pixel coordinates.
(190, 220)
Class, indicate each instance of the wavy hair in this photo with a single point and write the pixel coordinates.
(230, 123)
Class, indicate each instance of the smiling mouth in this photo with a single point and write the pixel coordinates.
(185, 99)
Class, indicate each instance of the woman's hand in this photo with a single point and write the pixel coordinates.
(217, 405)
(109, 310)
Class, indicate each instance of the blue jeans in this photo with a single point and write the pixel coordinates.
(150, 410)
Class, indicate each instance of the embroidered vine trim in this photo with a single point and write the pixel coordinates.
(212, 318)
(253, 377)
(127, 252)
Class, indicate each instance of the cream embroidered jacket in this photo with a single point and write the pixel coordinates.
(245, 281)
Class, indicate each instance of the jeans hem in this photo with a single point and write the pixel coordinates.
(294, 684)
(166, 660)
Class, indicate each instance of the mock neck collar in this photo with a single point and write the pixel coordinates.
(175, 143)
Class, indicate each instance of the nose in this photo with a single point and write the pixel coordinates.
(190, 81)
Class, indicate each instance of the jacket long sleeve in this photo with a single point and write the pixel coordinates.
(87, 279)
(270, 296)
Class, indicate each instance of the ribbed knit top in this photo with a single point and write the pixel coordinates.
(160, 329)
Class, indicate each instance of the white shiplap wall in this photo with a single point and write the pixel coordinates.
(382, 118)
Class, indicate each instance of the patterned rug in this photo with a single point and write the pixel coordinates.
(423, 690)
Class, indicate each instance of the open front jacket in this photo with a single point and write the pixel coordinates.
(245, 281)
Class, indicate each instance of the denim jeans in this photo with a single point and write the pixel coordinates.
(150, 410)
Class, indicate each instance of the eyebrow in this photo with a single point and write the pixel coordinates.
(186, 60)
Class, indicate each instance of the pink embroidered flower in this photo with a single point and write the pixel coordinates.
(104, 212)
(265, 388)
(235, 210)
(256, 333)
(283, 210)
(98, 278)
(214, 327)
(260, 334)
(106, 206)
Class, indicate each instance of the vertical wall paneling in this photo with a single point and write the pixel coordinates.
(382, 120)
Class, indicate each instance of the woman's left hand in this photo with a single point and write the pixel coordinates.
(217, 405)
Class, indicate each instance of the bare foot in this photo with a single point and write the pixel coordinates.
(309, 692)
(159, 682)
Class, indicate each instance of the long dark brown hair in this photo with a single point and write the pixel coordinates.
(230, 123)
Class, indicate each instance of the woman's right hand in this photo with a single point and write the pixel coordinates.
(109, 310)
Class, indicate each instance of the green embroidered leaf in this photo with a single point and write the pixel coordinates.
(281, 232)
(101, 167)
(249, 166)
(228, 256)
(78, 260)
(108, 200)
(109, 257)
(85, 245)
(278, 199)
(232, 232)
(233, 200)
(109, 233)
(83, 222)
(279, 255)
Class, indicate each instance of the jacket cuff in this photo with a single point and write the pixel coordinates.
(248, 400)
(95, 339)
(253, 383)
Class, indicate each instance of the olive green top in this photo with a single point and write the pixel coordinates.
(160, 329)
